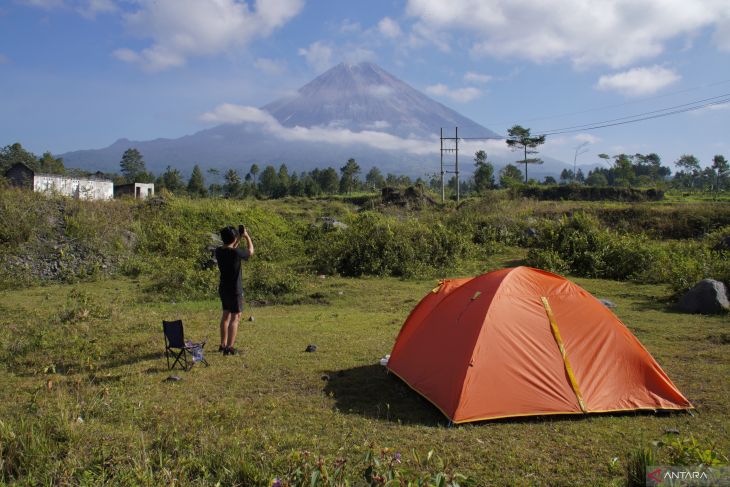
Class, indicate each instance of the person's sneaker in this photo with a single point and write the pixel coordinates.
(231, 351)
(221, 348)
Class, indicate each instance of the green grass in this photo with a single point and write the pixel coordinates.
(85, 400)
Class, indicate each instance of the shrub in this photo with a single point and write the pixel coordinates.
(264, 281)
(581, 246)
(589, 193)
(377, 245)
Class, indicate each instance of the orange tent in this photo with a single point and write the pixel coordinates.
(524, 342)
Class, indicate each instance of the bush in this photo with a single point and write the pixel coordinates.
(264, 281)
(581, 246)
(589, 193)
(377, 245)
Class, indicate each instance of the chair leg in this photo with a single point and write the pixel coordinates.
(167, 356)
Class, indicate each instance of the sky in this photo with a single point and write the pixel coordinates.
(80, 74)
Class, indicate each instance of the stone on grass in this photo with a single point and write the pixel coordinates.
(607, 303)
(707, 297)
(311, 348)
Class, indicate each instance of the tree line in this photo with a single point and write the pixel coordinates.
(621, 170)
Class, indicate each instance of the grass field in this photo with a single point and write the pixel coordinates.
(85, 399)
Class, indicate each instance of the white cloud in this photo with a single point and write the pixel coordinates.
(318, 55)
(616, 32)
(471, 77)
(638, 81)
(91, 8)
(461, 95)
(272, 67)
(389, 28)
(126, 55)
(379, 125)
(356, 55)
(712, 108)
(181, 29)
(381, 91)
(229, 113)
(591, 139)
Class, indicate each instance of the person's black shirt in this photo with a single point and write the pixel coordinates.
(229, 263)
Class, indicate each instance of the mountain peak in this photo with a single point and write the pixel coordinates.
(364, 96)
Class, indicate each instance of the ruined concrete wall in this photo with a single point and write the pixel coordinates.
(85, 189)
(135, 190)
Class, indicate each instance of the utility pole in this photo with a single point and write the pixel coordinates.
(443, 194)
(578, 151)
(458, 183)
(455, 166)
(455, 150)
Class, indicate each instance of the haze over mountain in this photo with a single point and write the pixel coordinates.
(359, 111)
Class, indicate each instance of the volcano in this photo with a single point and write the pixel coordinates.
(355, 111)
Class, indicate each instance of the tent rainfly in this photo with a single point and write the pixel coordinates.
(525, 342)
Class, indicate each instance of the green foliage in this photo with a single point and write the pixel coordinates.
(589, 193)
(636, 466)
(270, 283)
(580, 244)
(196, 183)
(132, 166)
(349, 176)
(15, 153)
(509, 176)
(377, 467)
(377, 245)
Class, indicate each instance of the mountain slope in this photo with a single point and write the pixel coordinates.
(366, 97)
(357, 111)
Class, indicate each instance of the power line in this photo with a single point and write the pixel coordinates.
(617, 105)
(665, 112)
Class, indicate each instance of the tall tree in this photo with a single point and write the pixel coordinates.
(196, 183)
(689, 169)
(349, 176)
(374, 179)
(509, 176)
(329, 181)
(50, 165)
(254, 171)
(232, 185)
(132, 165)
(519, 138)
(596, 178)
(269, 181)
(283, 182)
(172, 180)
(13, 154)
(722, 171)
(566, 176)
(484, 173)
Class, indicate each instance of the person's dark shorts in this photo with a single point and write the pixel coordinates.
(232, 302)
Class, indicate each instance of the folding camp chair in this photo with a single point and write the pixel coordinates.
(177, 348)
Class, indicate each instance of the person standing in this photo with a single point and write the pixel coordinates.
(230, 289)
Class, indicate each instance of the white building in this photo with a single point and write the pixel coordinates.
(85, 188)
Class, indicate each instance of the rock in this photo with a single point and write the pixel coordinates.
(329, 223)
(607, 303)
(172, 378)
(311, 348)
(707, 297)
